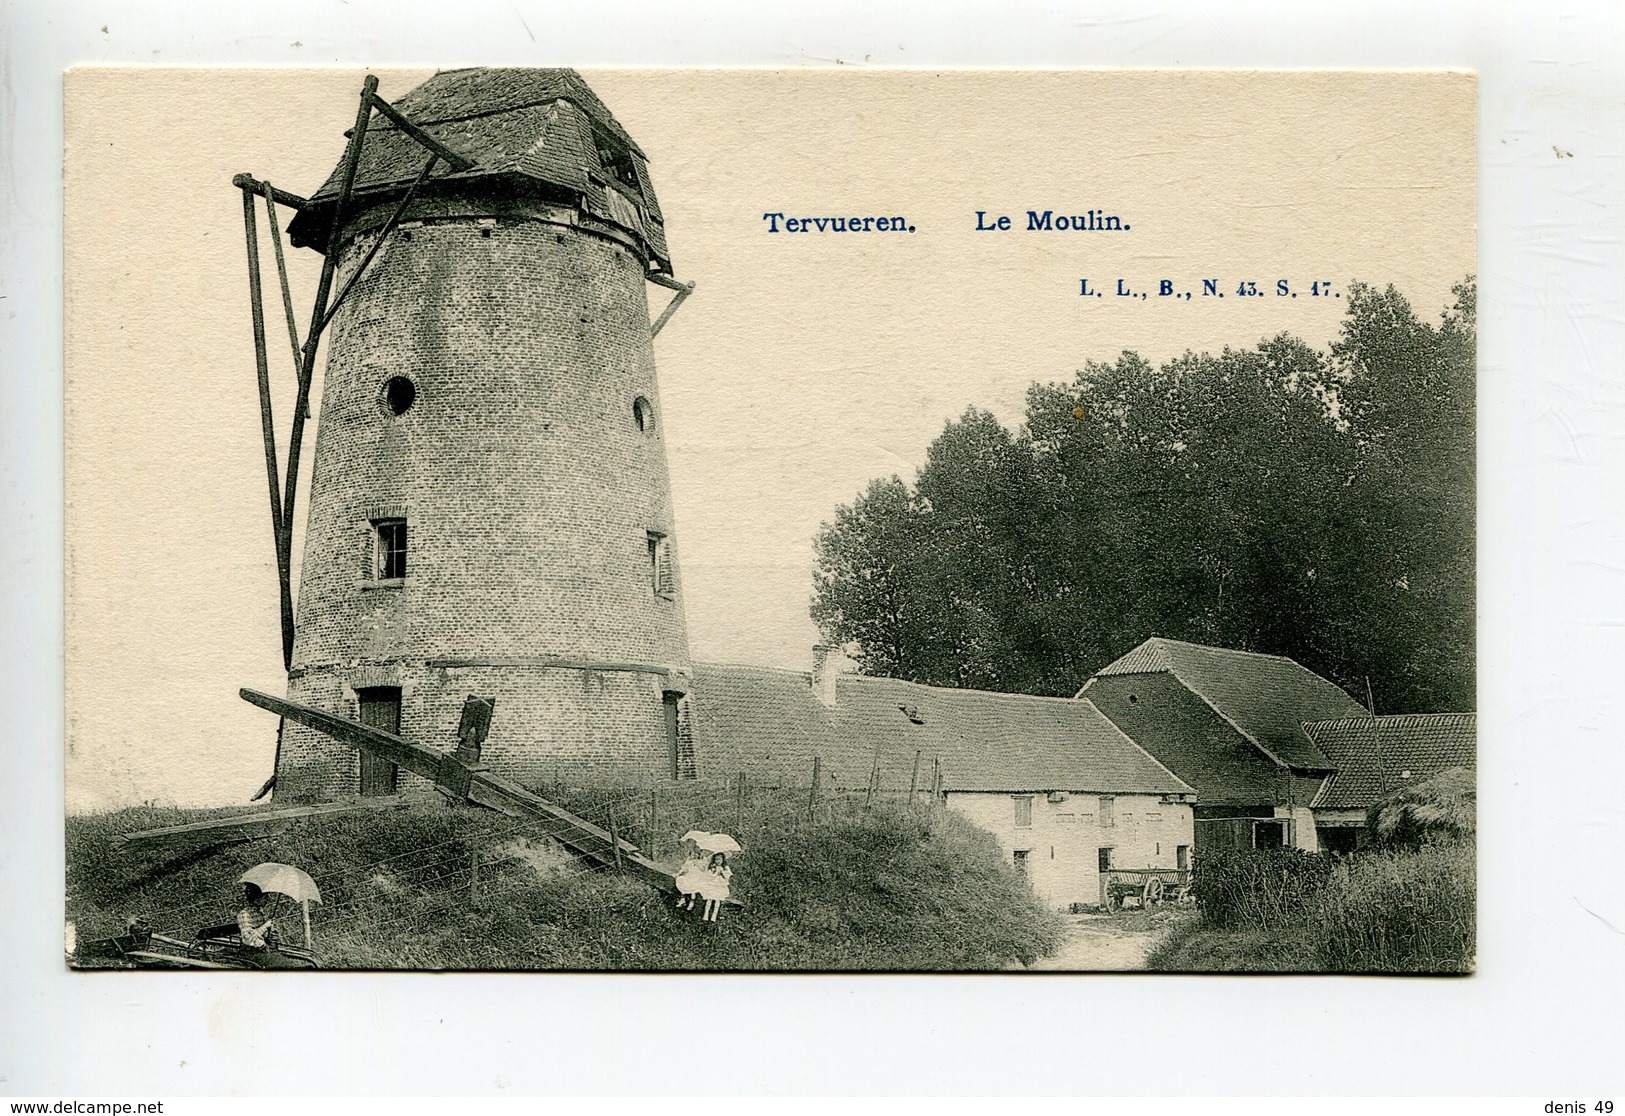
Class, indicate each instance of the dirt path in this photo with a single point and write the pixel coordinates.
(1110, 942)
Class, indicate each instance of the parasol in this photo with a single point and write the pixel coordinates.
(713, 842)
(285, 879)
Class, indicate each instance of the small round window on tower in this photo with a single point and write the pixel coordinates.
(399, 394)
(643, 413)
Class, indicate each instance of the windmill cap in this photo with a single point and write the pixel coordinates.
(527, 133)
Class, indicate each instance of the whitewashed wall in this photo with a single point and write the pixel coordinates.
(1064, 839)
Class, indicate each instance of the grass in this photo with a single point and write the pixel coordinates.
(887, 888)
(1198, 946)
(1383, 910)
(1400, 911)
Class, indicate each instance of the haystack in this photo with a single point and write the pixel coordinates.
(1439, 810)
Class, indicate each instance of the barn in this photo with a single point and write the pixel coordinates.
(1231, 724)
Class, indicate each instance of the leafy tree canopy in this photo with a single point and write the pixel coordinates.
(1312, 504)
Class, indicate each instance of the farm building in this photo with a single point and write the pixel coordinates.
(1231, 724)
(1376, 755)
(1066, 794)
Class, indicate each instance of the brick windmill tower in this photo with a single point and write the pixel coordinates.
(490, 511)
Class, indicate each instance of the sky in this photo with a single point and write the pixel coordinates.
(804, 365)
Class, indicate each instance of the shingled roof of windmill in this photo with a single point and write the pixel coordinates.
(1266, 697)
(770, 724)
(1409, 746)
(538, 129)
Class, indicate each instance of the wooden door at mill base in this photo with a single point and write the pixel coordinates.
(381, 709)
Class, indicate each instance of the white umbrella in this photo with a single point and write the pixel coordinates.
(285, 879)
(713, 842)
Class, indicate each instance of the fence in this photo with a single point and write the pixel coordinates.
(655, 815)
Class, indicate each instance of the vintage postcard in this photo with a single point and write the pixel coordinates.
(770, 520)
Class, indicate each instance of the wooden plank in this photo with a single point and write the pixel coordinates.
(573, 832)
(183, 962)
(378, 242)
(282, 272)
(250, 821)
(268, 427)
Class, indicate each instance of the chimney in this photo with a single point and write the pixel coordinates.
(826, 670)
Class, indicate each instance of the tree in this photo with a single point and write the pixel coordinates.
(1272, 499)
(1407, 392)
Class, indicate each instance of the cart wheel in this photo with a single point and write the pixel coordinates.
(1153, 892)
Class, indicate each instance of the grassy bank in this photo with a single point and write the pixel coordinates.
(856, 889)
(1379, 911)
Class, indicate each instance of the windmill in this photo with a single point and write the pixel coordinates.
(489, 504)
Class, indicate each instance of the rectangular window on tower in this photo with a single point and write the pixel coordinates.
(388, 549)
(660, 572)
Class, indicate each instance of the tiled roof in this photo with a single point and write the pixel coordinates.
(1420, 744)
(769, 724)
(453, 95)
(1266, 697)
(533, 124)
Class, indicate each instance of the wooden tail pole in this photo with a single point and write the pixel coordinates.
(476, 786)
(304, 906)
(914, 779)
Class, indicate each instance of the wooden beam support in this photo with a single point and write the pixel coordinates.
(661, 279)
(313, 338)
(279, 526)
(683, 291)
(423, 138)
(282, 197)
(383, 235)
(282, 273)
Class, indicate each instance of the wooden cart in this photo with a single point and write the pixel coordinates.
(213, 947)
(1146, 886)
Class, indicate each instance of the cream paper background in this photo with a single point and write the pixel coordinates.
(803, 366)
